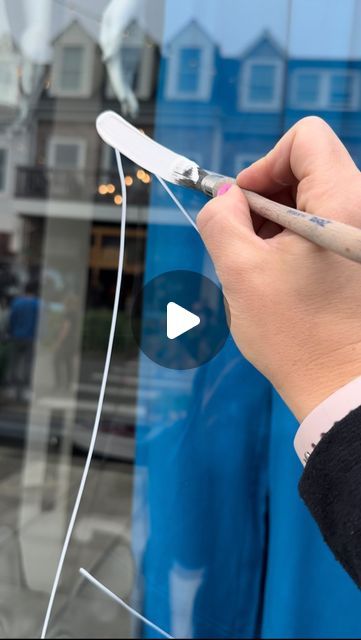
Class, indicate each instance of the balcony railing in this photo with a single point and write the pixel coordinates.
(85, 186)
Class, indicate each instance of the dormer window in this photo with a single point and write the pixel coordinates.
(262, 82)
(189, 69)
(261, 85)
(190, 66)
(73, 64)
(137, 60)
(72, 68)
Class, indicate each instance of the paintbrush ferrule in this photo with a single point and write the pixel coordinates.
(212, 182)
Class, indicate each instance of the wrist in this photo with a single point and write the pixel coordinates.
(321, 420)
(305, 389)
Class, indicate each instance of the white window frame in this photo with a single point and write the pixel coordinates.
(245, 102)
(84, 89)
(203, 92)
(324, 97)
(57, 140)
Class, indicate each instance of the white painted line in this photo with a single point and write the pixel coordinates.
(126, 606)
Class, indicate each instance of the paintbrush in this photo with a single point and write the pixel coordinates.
(338, 237)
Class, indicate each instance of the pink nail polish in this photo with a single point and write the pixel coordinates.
(223, 188)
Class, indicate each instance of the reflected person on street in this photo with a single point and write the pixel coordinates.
(23, 324)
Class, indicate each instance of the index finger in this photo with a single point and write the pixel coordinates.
(310, 147)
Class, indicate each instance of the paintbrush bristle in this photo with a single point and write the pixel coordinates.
(184, 168)
(186, 173)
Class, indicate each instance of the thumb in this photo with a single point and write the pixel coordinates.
(312, 161)
(225, 225)
(309, 148)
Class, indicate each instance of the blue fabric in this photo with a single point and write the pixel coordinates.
(220, 506)
(206, 503)
(23, 319)
(307, 592)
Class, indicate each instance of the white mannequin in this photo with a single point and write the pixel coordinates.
(36, 52)
(116, 17)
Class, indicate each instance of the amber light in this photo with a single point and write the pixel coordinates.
(102, 189)
(128, 181)
(118, 199)
(146, 178)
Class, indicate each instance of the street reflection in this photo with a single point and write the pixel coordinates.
(59, 241)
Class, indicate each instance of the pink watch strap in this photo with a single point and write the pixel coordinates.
(324, 416)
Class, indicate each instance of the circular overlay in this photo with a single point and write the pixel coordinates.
(180, 319)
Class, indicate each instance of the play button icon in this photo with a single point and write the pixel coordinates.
(179, 320)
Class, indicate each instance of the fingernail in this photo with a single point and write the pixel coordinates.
(223, 188)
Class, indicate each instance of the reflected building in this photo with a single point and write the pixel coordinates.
(71, 176)
(223, 112)
(59, 225)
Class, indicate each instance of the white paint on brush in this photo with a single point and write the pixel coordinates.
(184, 167)
(144, 151)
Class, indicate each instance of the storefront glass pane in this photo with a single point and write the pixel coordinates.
(190, 511)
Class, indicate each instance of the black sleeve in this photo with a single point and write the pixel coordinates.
(331, 488)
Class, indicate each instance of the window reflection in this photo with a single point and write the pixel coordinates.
(184, 514)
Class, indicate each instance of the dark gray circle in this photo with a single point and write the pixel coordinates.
(197, 294)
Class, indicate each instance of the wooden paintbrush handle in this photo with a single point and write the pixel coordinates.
(336, 236)
(329, 234)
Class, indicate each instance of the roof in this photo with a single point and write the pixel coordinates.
(308, 29)
(305, 29)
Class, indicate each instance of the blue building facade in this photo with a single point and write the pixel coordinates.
(223, 544)
(249, 101)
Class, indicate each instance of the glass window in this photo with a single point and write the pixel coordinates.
(307, 88)
(189, 69)
(262, 83)
(66, 155)
(72, 68)
(190, 512)
(325, 89)
(341, 90)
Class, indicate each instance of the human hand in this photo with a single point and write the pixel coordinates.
(295, 307)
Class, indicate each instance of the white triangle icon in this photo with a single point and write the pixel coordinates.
(179, 320)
